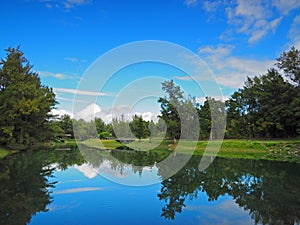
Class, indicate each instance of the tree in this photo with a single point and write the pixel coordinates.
(268, 105)
(236, 116)
(139, 127)
(100, 125)
(104, 135)
(179, 113)
(121, 128)
(289, 62)
(212, 119)
(169, 108)
(65, 123)
(24, 103)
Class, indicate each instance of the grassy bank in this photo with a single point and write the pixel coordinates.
(278, 150)
(43, 145)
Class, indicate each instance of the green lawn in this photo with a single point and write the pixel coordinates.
(279, 150)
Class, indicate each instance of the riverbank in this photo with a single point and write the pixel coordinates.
(275, 150)
(47, 145)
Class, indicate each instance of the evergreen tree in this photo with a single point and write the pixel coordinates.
(139, 127)
(24, 103)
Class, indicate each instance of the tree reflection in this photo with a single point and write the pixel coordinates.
(269, 190)
(24, 184)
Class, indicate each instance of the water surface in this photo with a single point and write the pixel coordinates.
(62, 187)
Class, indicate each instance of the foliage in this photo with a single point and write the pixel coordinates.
(121, 128)
(24, 182)
(139, 127)
(65, 123)
(24, 103)
(267, 106)
(289, 62)
(104, 135)
(268, 190)
(178, 113)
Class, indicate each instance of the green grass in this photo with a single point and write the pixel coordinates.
(102, 144)
(278, 150)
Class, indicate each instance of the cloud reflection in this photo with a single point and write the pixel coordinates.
(76, 190)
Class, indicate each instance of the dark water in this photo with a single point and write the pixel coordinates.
(62, 187)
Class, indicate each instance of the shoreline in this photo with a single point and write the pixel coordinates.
(273, 150)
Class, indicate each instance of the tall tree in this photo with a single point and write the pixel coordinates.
(289, 62)
(179, 113)
(169, 108)
(139, 127)
(121, 128)
(65, 123)
(268, 105)
(24, 102)
(212, 119)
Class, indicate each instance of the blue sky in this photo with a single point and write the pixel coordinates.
(62, 38)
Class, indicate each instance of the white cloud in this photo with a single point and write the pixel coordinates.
(93, 110)
(147, 116)
(221, 49)
(190, 3)
(79, 92)
(294, 32)
(105, 168)
(65, 4)
(61, 112)
(186, 78)
(70, 99)
(76, 190)
(87, 170)
(212, 6)
(225, 212)
(285, 6)
(254, 18)
(72, 59)
(232, 71)
(60, 76)
(262, 28)
(89, 112)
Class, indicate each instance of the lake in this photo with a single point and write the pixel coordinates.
(62, 187)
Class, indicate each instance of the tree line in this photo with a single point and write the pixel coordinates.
(267, 106)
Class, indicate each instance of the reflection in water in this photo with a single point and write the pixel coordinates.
(24, 183)
(269, 191)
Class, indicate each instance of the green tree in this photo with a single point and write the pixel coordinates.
(24, 103)
(104, 135)
(212, 119)
(169, 108)
(268, 105)
(237, 126)
(289, 62)
(100, 125)
(65, 123)
(139, 127)
(121, 128)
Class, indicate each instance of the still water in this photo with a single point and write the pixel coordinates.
(61, 187)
